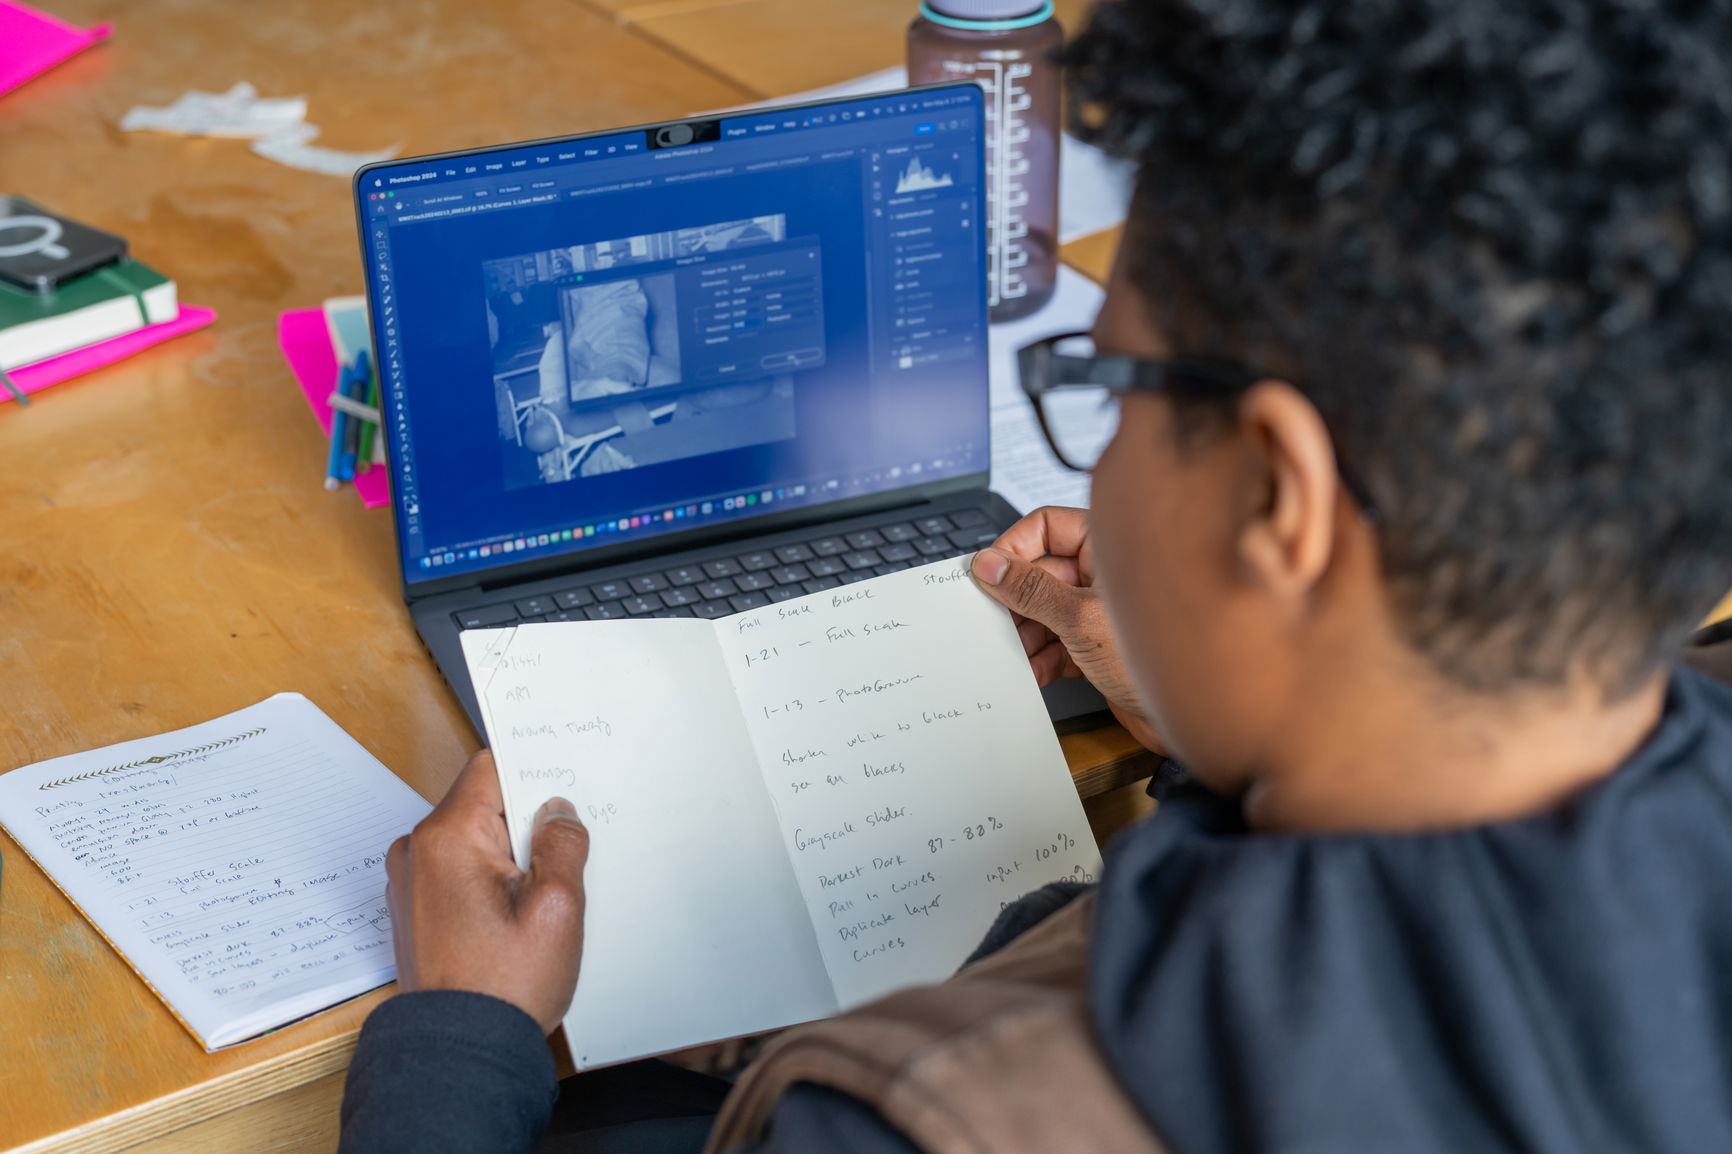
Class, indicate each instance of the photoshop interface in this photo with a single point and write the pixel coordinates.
(810, 278)
(694, 331)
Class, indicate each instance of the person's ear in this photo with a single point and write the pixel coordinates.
(1287, 535)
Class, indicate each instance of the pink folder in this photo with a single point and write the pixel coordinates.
(32, 378)
(306, 342)
(32, 42)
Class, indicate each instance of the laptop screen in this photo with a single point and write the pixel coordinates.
(596, 340)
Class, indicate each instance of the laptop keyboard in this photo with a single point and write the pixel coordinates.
(759, 577)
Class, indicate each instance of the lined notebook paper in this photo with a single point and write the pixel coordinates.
(237, 866)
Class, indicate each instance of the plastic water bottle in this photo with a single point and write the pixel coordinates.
(1006, 46)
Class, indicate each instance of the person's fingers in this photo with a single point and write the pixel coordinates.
(475, 804)
(1027, 589)
(1034, 636)
(397, 909)
(476, 788)
(558, 852)
(477, 785)
(1052, 663)
(1049, 529)
(1066, 569)
(397, 861)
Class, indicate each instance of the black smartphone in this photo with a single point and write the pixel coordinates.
(40, 249)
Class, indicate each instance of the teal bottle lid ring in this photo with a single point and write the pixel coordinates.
(1039, 15)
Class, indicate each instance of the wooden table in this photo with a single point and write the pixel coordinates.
(166, 551)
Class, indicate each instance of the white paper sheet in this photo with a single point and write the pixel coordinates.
(1094, 189)
(240, 112)
(276, 126)
(693, 928)
(918, 781)
(238, 865)
(1024, 471)
(295, 150)
(791, 810)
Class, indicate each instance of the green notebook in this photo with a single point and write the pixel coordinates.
(110, 302)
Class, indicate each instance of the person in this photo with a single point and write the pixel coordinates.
(1418, 485)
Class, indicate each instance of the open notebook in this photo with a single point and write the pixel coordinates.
(793, 810)
(238, 865)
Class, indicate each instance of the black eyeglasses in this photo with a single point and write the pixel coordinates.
(1075, 393)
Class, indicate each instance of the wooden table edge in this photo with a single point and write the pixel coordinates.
(1114, 773)
(160, 1117)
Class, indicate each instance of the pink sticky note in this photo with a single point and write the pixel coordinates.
(32, 42)
(306, 343)
(40, 375)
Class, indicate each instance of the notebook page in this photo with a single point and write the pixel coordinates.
(917, 778)
(237, 865)
(694, 929)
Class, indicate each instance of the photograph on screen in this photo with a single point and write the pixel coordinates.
(587, 366)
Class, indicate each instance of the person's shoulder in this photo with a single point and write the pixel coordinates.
(1702, 684)
(1710, 654)
(1430, 977)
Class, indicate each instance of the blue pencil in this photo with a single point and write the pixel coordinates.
(339, 427)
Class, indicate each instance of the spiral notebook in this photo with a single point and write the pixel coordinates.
(238, 866)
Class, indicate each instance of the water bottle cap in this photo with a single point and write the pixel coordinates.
(1016, 13)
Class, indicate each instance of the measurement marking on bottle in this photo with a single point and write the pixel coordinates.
(1006, 161)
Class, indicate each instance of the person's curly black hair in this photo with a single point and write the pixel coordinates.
(1492, 242)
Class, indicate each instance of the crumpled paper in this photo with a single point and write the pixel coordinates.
(236, 113)
(293, 149)
(276, 126)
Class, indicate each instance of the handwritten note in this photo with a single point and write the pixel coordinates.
(237, 865)
(693, 926)
(918, 781)
(793, 810)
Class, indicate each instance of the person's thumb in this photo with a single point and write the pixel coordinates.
(558, 851)
(1027, 589)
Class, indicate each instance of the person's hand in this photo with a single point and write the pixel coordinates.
(464, 917)
(1042, 570)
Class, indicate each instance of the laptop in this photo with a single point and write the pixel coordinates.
(685, 369)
